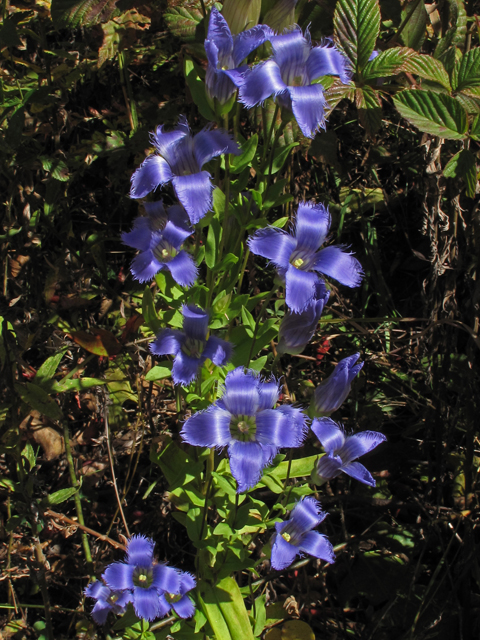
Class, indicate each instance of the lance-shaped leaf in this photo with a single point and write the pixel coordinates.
(388, 63)
(428, 68)
(356, 28)
(435, 113)
(463, 165)
(414, 19)
(369, 108)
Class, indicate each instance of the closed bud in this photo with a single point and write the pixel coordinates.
(331, 393)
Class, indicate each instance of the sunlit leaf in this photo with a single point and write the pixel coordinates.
(435, 113)
(357, 25)
(98, 341)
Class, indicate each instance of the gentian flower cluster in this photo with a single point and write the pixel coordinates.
(245, 421)
(295, 536)
(298, 259)
(190, 346)
(331, 393)
(158, 236)
(341, 451)
(152, 588)
(179, 159)
(290, 74)
(225, 54)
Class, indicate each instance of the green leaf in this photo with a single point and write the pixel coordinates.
(212, 244)
(8, 31)
(248, 321)
(475, 129)
(178, 468)
(429, 68)
(369, 108)
(29, 455)
(197, 89)
(16, 122)
(79, 384)
(81, 13)
(468, 74)
(279, 157)
(61, 495)
(414, 19)
(38, 399)
(148, 311)
(259, 363)
(209, 604)
(233, 609)
(388, 63)
(356, 28)
(159, 372)
(194, 523)
(337, 92)
(435, 113)
(273, 193)
(463, 165)
(183, 22)
(248, 150)
(48, 368)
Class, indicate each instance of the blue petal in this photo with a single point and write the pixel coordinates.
(100, 611)
(184, 607)
(185, 368)
(168, 342)
(329, 433)
(220, 83)
(140, 236)
(299, 288)
(210, 428)
(237, 76)
(311, 225)
(145, 266)
(218, 351)
(187, 582)
(328, 61)
(283, 553)
(176, 234)
(329, 467)
(183, 269)
(308, 106)
(166, 578)
(268, 393)
(195, 193)
(332, 392)
(122, 601)
(209, 144)
(219, 32)
(360, 444)
(241, 393)
(297, 329)
(140, 551)
(297, 420)
(212, 52)
(274, 427)
(145, 603)
(318, 546)
(339, 265)
(97, 590)
(247, 41)
(260, 83)
(291, 51)
(357, 471)
(163, 606)
(195, 322)
(306, 515)
(119, 576)
(274, 244)
(246, 463)
(165, 141)
(152, 173)
(155, 210)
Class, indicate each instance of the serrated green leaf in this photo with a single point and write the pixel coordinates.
(414, 19)
(475, 128)
(369, 108)
(463, 165)
(60, 496)
(356, 28)
(183, 21)
(427, 67)
(248, 149)
(388, 63)
(338, 91)
(81, 13)
(435, 113)
(468, 73)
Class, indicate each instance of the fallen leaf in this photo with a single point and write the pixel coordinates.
(39, 429)
(99, 341)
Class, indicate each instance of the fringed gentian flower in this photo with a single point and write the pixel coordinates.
(295, 536)
(296, 329)
(245, 421)
(181, 603)
(225, 55)
(144, 579)
(190, 346)
(289, 76)
(342, 450)
(297, 257)
(158, 236)
(179, 159)
(331, 393)
(106, 600)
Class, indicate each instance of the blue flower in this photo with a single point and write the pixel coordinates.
(289, 75)
(331, 393)
(295, 536)
(144, 579)
(342, 450)
(296, 329)
(190, 346)
(179, 159)
(245, 422)
(297, 257)
(106, 600)
(158, 236)
(180, 602)
(225, 55)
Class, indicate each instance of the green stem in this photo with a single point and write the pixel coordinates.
(258, 320)
(127, 91)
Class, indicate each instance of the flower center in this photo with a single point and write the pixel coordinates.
(158, 222)
(164, 251)
(286, 536)
(172, 597)
(193, 348)
(143, 577)
(301, 260)
(112, 598)
(243, 428)
(298, 263)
